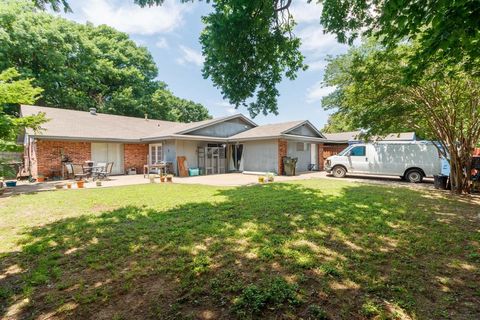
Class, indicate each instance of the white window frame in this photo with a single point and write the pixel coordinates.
(153, 156)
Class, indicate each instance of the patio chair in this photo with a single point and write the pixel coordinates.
(98, 169)
(69, 168)
(78, 172)
(103, 174)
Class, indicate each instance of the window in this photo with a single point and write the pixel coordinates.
(156, 153)
(357, 152)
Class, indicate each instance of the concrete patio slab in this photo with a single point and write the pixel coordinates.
(229, 179)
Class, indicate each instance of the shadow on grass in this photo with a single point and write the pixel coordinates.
(274, 251)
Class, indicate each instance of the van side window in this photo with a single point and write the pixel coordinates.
(358, 151)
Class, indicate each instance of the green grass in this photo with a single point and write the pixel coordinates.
(316, 249)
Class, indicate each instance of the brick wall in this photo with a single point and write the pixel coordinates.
(135, 156)
(282, 152)
(47, 155)
(320, 159)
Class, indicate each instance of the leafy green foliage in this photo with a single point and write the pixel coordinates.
(249, 47)
(14, 91)
(272, 293)
(83, 66)
(443, 104)
(446, 31)
(248, 51)
(339, 122)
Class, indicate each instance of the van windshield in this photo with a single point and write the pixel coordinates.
(344, 151)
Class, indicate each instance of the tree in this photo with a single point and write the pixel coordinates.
(339, 122)
(79, 66)
(249, 46)
(14, 91)
(176, 109)
(445, 31)
(443, 105)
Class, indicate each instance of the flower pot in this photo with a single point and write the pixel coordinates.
(98, 183)
(152, 179)
(169, 178)
(69, 185)
(261, 179)
(41, 179)
(80, 184)
(162, 179)
(11, 183)
(59, 186)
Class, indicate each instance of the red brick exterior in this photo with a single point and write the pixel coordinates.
(136, 156)
(47, 155)
(320, 159)
(282, 152)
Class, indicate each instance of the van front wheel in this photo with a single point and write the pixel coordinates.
(339, 172)
(414, 176)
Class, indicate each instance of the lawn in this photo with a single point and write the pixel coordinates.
(315, 249)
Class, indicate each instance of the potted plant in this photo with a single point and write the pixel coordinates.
(11, 183)
(80, 184)
(261, 179)
(270, 177)
(169, 177)
(69, 185)
(59, 186)
(162, 177)
(40, 178)
(98, 183)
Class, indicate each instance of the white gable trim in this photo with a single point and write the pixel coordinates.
(308, 123)
(220, 120)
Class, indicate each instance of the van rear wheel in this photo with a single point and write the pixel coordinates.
(339, 172)
(414, 176)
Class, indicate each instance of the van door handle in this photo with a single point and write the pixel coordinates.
(366, 159)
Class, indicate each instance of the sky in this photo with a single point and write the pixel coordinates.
(171, 33)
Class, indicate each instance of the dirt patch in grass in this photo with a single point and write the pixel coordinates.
(308, 250)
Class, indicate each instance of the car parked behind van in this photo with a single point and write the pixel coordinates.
(411, 161)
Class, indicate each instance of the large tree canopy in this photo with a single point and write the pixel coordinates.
(83, 66)
(371, 94)
(249, 45)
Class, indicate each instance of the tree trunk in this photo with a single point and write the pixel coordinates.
(459, 171)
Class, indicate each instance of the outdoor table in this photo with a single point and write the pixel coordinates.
(146, 168)
(90, 170)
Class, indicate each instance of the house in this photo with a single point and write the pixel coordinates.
(353, 137)
(227, 144)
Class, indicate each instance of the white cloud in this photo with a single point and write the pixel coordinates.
(230, 109)
(317, 42)
(161, 43)
(317, 92)
(304, 12)
(131, 18)
(190, 55)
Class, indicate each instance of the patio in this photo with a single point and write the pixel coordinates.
(229, 179)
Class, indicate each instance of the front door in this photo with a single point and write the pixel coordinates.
(109, 152)
(357, 159)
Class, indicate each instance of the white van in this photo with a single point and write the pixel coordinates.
(411, 161)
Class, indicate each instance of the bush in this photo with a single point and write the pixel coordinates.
(272, 294)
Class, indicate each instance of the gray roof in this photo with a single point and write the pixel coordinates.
(82, 125)
(353, 136)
